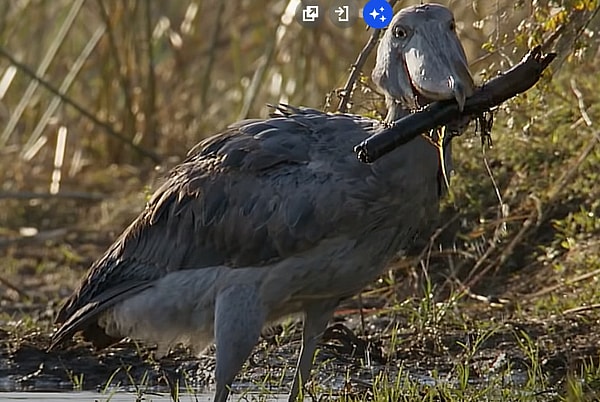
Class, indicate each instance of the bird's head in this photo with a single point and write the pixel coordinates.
(420, 59)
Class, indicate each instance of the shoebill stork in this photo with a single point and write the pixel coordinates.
(276, 217)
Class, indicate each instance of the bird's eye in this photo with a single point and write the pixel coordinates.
(452, 26)
(399, 32)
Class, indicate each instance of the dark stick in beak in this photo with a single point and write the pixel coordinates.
(515, 81)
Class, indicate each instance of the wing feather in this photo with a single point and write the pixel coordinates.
(252, 195)
(90, 311)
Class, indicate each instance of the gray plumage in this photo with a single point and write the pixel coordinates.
(275, 217)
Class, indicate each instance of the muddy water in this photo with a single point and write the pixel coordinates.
(117, 397)
(93, 397)
(29, 372)
(124, 397)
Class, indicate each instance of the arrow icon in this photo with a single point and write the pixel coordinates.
(342, 13)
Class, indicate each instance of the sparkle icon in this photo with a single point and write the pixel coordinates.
(377, 13)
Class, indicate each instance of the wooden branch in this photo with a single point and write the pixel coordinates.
(13, 287)
(346, 92)
(30, 195)
(150, 128)
(38, 238)
(518, 79)
(212, 54)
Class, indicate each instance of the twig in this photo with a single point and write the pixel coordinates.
(206, 81)
(31, 195)
(581, 103)
(582, 309)
(567, 282)
(569, 33)
(121, 69)
(261, 71)
(38, 238)
(13, 287)
(502, 212)
(107, 128)
(150, 115)
(346, 92)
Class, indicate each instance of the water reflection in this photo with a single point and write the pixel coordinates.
(88, 396)
(97, 397)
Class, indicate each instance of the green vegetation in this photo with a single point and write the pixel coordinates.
(501, 303)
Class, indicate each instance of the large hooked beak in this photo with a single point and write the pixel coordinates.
(436, 65)
(420, 60)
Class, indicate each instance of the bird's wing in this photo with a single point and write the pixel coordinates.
(255, 194)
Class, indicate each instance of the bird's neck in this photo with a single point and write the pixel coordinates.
(395, 110)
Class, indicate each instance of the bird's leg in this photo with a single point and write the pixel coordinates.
(316, 317)
(239, 318)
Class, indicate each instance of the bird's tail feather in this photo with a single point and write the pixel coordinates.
(85, 318)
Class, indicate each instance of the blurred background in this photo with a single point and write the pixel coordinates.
(125, 88)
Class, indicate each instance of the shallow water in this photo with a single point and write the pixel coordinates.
(91, 397)
(29, 372)
(88, 396)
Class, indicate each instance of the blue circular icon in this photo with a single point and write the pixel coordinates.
(378, 13)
